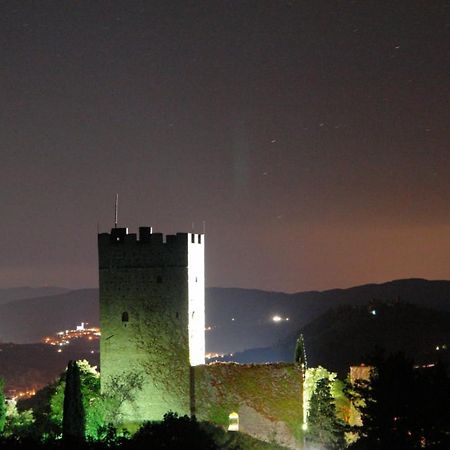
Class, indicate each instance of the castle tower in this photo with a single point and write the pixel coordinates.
(152, 316)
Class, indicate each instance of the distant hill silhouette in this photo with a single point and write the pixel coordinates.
(338, 325)
(21, 293)
(25, 321)
(253, 309)
(347, 335)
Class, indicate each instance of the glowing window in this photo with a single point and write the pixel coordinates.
(233, 422)
(124, 316)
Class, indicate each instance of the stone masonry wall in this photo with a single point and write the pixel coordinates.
(147, 280)
(267, 397)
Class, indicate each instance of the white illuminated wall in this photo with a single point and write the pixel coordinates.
(196, 292)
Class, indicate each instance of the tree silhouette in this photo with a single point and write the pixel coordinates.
(73, 411)
(324, 428)
(403, 406)
(300, 354)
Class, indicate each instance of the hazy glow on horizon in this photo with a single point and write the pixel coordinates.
(317, 155)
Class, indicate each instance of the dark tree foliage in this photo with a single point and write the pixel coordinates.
(324, 428)
(73, 412)
(175, 433)
(403, 407)
(40, 404)
(2, 406)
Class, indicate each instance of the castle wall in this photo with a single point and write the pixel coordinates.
(152, 315)
(267, 397)
(144, 315)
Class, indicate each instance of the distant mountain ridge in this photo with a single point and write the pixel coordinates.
(29, 320)
(254, 309)
(240, 318)
(348, 335)
(24, 292)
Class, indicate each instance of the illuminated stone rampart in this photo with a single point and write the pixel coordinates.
(267, 399)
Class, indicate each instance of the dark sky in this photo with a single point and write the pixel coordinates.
(311, 136)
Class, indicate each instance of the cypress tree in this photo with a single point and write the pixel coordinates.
(300, 354)
(73, 410)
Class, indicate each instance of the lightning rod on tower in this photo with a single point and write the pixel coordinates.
(116, 210)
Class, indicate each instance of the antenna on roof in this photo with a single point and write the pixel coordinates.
(116, 210)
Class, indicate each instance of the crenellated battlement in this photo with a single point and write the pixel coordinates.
(121, 249)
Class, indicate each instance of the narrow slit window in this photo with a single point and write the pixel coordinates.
(193, 238)
(125, 317)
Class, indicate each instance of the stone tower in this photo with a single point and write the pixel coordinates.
(152, 316)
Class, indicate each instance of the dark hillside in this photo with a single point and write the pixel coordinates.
(29, 320)
(30, 366)
(253, 310)
(25, 321)
(346, 335)
(21, 293)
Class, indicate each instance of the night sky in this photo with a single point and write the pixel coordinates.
(311, 136)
